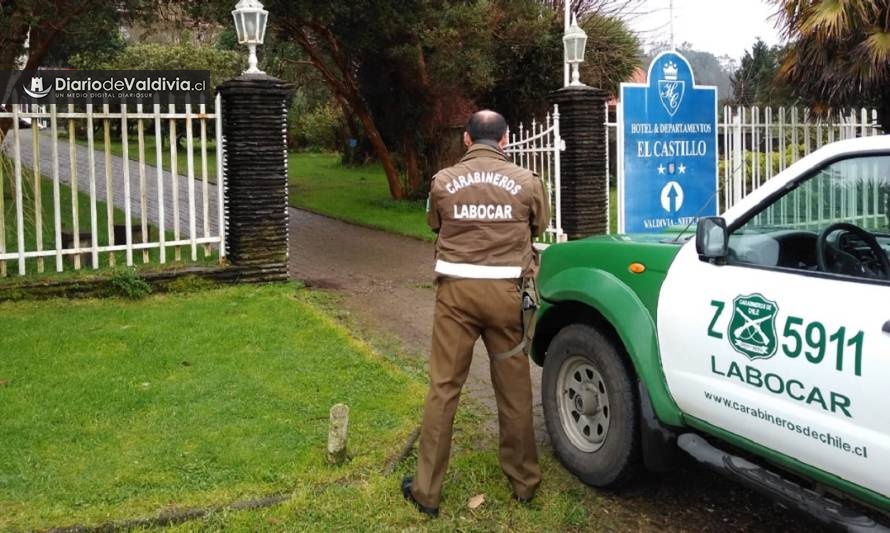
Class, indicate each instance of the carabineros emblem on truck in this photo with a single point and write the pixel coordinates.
(752, 329)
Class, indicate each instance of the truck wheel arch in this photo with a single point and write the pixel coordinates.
(618, 312)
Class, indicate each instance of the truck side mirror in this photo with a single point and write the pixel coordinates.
(712, 240)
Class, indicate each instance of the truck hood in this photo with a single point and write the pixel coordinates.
(614, 254)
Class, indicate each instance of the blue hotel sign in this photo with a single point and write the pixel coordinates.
(667, 172)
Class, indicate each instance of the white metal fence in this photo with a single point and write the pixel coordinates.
(149, 209)
(538, 149)
(24, 113)
(757, 143)
(852, 190)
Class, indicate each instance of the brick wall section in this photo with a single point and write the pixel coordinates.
(584, 191)
(254, 109)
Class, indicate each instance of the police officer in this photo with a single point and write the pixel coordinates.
(486, 212)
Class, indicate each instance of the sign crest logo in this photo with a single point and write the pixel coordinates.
(670, 89)
(752, 328)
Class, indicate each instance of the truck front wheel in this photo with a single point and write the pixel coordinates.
(591, 407)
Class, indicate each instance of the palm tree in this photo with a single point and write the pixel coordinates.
(839, 52)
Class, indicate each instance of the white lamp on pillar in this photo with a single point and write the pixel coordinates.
(250, 23)
(575, 41)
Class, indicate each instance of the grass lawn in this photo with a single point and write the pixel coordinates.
(320, 184)
(375, 503)
(115, 410)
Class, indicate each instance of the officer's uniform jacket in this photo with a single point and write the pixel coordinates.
(486, 211)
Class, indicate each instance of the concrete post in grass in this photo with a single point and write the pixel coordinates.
(254, 119)
(584, 189)
(338, 434)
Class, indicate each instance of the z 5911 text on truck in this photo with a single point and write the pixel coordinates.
(764, 339)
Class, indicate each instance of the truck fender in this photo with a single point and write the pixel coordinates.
(620, 307)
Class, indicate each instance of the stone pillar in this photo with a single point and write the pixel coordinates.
(584, 191)
(254, 114)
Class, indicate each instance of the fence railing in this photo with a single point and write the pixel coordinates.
(853, 190)
(538, 148)
(757, 143)
(85, 201)
(26, 109)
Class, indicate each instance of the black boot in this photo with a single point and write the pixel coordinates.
(406, 492)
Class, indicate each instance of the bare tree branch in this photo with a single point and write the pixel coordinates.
(621, 9)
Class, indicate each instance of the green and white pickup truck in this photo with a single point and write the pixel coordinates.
(763, 338)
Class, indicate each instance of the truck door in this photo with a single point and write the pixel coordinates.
(788, 345)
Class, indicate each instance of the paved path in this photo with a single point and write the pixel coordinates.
(118, 166)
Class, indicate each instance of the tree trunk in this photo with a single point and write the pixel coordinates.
(346, 87)
(357, 155)
(412, 166)
(396, 191)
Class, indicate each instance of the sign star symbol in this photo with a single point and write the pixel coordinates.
(682, 168)
(661, 169)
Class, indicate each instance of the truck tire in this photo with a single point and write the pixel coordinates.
(591, 407)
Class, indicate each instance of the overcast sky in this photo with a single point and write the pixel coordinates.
(716, 26)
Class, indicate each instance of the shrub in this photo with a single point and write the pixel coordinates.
(316, 129)
(127, 283)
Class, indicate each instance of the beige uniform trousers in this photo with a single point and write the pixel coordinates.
(466, 309)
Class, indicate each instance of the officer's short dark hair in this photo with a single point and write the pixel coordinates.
(486, 125)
